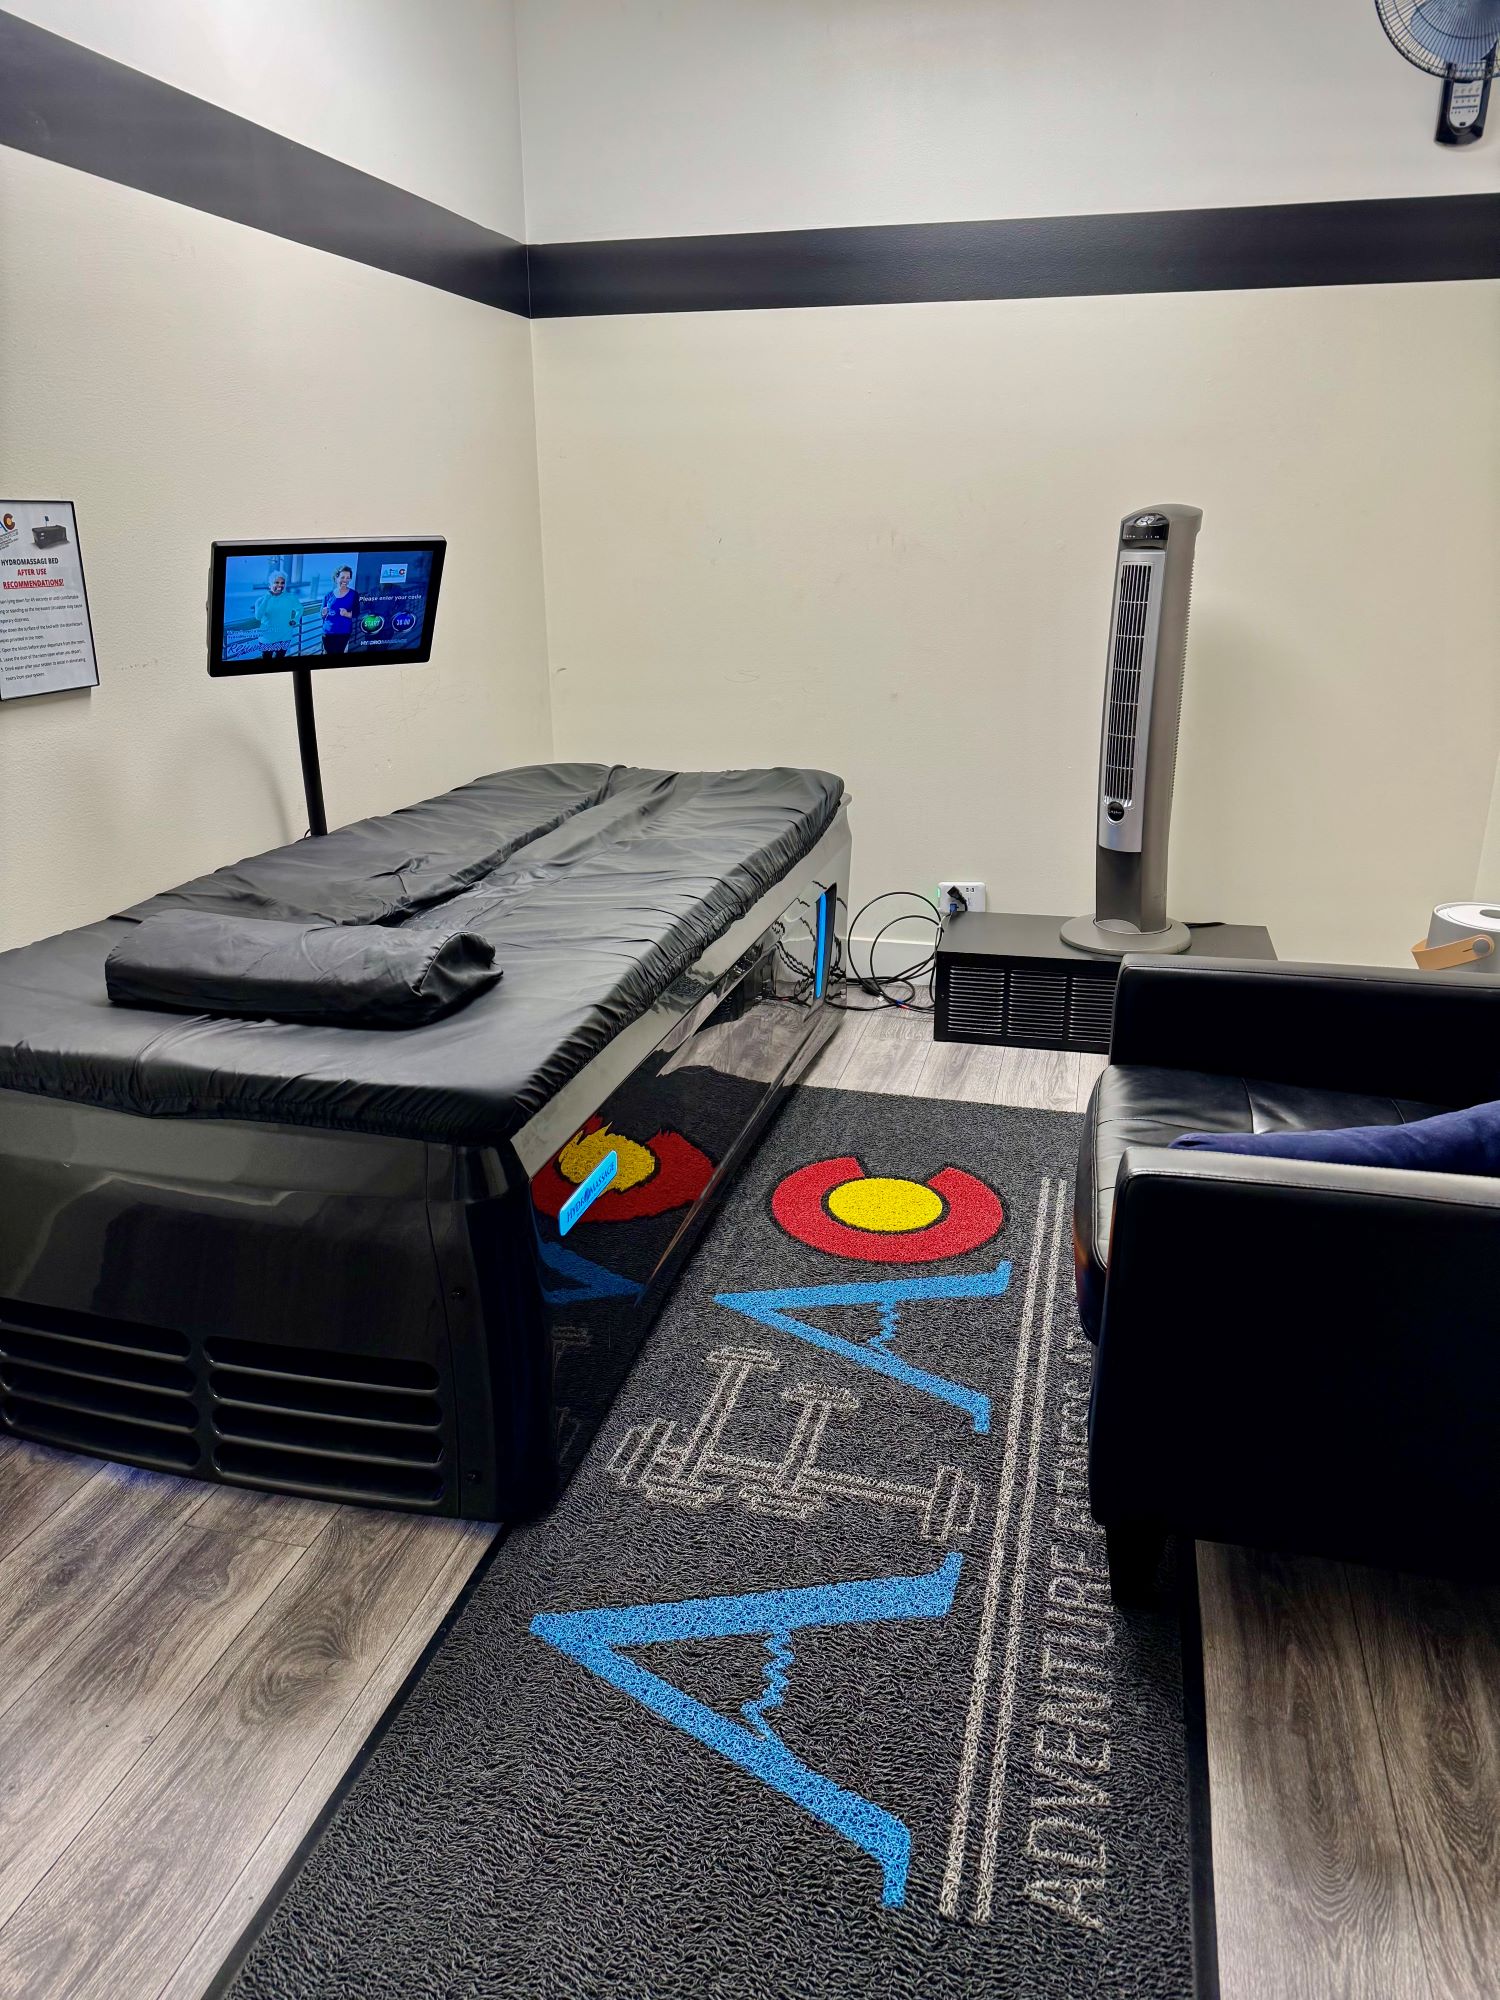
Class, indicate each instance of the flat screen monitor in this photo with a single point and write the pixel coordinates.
(273, 606)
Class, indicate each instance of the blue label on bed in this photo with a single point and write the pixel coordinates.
(821, 950)
(588, 1192)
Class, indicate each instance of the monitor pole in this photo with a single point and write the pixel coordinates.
(307, 743)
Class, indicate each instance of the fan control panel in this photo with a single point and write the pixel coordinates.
(1150, 530)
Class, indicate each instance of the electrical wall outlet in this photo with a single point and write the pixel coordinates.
(972, 893)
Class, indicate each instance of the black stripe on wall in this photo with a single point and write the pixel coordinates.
(69, 104)
(1066, 256)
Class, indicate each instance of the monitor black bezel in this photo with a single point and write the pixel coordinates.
(413, 656)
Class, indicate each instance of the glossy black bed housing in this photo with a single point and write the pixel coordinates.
(336, 1265)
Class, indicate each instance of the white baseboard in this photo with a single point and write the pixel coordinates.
(895, 951)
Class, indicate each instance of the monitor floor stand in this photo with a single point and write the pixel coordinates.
(307, 744)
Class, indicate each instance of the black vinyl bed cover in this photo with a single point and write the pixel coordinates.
(597, 885)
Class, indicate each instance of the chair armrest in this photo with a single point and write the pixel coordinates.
(1302, 1357)
(1434, 1036)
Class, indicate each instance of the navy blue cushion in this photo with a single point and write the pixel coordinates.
(1455, 1142)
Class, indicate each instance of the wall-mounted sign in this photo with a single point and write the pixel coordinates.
(46, 640)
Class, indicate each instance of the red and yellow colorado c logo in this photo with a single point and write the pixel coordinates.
(664, 1172)
(835, 1206)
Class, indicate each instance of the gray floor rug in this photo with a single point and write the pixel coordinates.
(811, 1685)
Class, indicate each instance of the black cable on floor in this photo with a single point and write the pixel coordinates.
(879, 985)
(881, 988)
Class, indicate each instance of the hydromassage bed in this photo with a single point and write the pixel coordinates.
(377, 1265)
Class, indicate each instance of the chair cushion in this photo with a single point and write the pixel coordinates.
(1454, 1142)
(1147, 1106)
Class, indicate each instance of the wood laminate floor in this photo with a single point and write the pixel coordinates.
(187, 1672)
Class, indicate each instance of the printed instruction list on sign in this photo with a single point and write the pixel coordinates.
(46, 640)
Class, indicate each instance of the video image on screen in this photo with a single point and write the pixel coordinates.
(346, 603)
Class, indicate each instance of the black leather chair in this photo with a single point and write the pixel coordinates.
(1298, 1357)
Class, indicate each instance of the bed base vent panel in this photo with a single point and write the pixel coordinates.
(286, 1419)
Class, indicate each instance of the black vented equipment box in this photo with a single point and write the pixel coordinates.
(1011, 980)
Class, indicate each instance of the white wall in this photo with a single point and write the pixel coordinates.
(1487, 876)
(881, 539)
(682, 116)
(420, 95)
(183, 378)
(877, 538)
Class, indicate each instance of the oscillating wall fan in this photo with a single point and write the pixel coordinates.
(1456, 40)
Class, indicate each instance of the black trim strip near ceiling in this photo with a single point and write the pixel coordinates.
(69, 104)
(1066, 256)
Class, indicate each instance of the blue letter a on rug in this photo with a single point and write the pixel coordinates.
(594, 1639)
(888, 1296)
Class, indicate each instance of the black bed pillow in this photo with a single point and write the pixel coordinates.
(336, 975)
